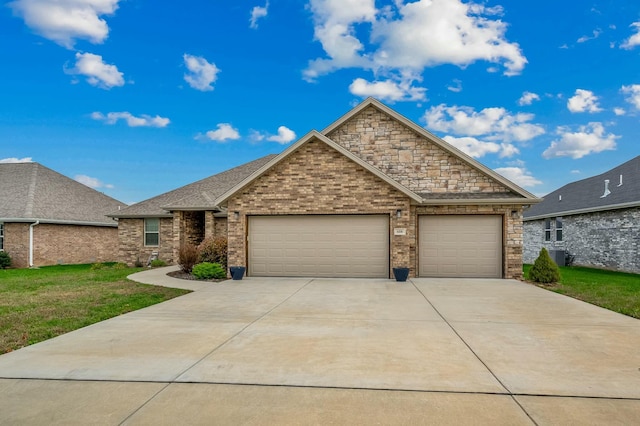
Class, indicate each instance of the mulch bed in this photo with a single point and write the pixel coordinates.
(181, 275)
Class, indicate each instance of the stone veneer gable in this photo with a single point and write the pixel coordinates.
(409, 158)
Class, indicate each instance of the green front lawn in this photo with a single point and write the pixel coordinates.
(617, 291)
(38, 304)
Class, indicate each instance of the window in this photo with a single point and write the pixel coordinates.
(1, 236)
(547, 230)
(558, 229)
(151, 231)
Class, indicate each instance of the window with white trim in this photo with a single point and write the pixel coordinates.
(558, 229)
(547, 230)
(151, 231)
(1, 236)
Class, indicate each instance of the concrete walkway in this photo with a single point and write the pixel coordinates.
(341, 351)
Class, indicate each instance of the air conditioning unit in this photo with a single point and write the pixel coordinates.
(558, 256)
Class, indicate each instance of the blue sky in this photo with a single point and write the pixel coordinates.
(138, 97)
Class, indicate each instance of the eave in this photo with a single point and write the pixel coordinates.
(56, 221)
(628, 205)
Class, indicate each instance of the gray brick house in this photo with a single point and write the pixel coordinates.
(595, 219)
(47, 218)
(371, 192)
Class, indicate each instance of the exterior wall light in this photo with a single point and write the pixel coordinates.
(236, 215)
(399, 213)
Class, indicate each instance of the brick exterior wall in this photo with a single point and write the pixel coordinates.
(409, 158)
(16, 243)
(316, 179)
(60, 244)
(220, 227)
(608, 239)
(131, 246)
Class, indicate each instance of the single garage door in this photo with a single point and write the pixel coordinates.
(319, 246)
(460, 246)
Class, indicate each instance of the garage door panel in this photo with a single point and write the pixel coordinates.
(460, 246)
(331, 246)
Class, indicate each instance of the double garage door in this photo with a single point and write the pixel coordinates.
(358, 246)
(319, 246)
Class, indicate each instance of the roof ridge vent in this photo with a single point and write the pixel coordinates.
(606, 188)
(620, 184)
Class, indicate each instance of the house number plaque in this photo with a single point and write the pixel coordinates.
(399, 231)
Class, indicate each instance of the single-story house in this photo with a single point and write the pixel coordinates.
(47, 218)
(597, 220)
(371, 192)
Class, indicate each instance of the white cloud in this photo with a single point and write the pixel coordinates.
(131, 120)
(334, 22)
(97, 72)
(284, 136)
(472, 146)
(456, 87)
(92, 182)
(15, 160)
(434, 32)
(633, 94)
(406, 38)
(596, 34)
(519, 175)
(202, 74)
(64, 21)
(619, 111)
(387, 90)
(527, 98)
(587, 140)
(256, 13)
(494, 123)
(575, 172)
(223, 133)
(634, 40)
(497, 128)
(583, 101)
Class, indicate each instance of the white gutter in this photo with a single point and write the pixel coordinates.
(37, 222)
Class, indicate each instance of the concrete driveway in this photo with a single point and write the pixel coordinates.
(342, 351)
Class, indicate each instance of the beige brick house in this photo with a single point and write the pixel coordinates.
(47, 218)
(372, 192)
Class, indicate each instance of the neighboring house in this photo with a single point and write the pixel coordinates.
(597, 220)
(372, 192)
(47, 218)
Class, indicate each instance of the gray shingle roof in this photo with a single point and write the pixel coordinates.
(31, 191)
(195, 196)
(587, 194)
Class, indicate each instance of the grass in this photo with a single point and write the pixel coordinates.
(38, 304)
(616, 291)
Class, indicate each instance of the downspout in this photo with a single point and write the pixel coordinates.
(37, 222)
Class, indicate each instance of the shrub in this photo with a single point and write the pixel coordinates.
(97, 266)
(156, 263)
(213, 250)
(544, 270)
(187, 257)
(120, 265)
(208, 270)
(5, 260)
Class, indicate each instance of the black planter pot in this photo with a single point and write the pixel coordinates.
(401, 274)
(237, 272)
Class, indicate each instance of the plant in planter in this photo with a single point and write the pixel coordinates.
(401, 274)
